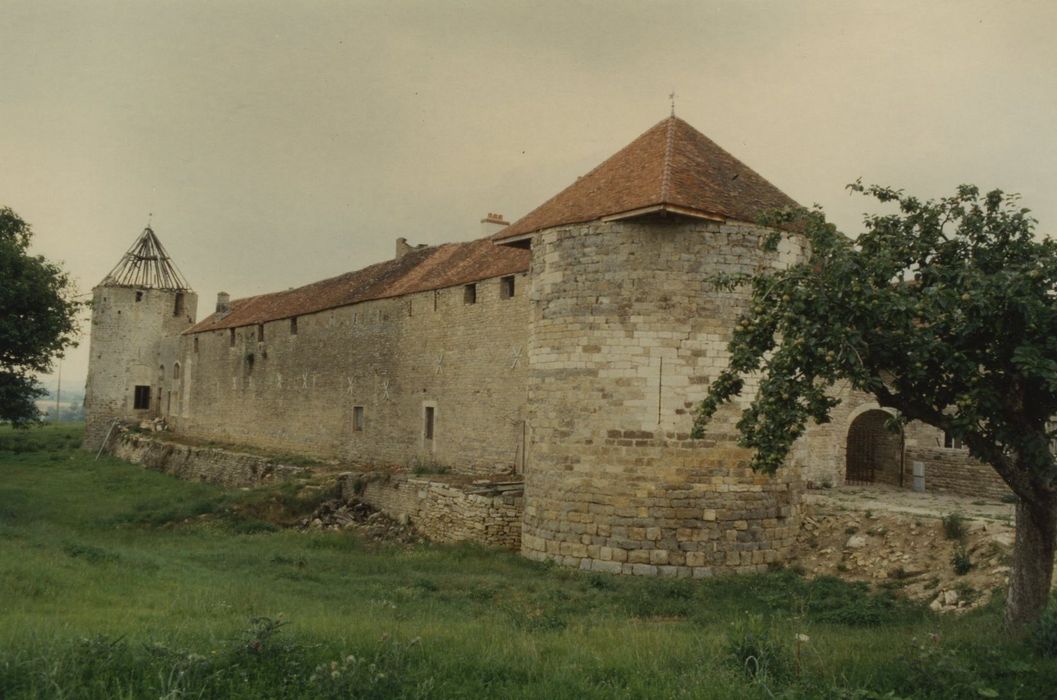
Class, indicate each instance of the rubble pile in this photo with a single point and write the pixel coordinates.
(910, 553)
(337, 514)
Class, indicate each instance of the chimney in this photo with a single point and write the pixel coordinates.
(492, 224)
(223, 303)
(402, 248)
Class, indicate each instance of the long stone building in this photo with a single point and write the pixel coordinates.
(567, 349)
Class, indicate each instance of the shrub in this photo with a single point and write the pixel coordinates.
(960, 560)
(1044, 634)
(954, 526)
(753, 648)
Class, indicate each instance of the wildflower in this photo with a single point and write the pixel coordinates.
(801, 637)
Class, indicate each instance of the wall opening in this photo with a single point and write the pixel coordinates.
(469, 294)
(141, 398)
(178, 304)
(506, 287)
(139, 296)
(195, 343)
(231, 337)
(357, 419)
(951, 442)
(875, 453)
(260, 332)
(176, 371)
(293, 326)
(428, 424)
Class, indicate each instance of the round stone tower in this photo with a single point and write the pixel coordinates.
(626, 334)
(142, 305)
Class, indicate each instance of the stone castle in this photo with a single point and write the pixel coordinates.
(566, 349)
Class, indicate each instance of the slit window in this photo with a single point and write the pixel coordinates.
(469, 294)
(178, 304)
(176, 371)
(293, 326)
(260, 332)
(141, 398)
(428, 427)
(195, 343)
(357, 419)
(506, 287)
(231, 337)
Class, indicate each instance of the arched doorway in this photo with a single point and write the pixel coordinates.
(875, 454)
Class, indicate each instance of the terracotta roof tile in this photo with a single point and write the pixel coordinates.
(671, 164)
(420, 270)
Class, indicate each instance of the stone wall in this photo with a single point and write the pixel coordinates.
(626, 335)
(443, 511)
(223, 467)
(954, 471)
(392, 358)
(128, 326)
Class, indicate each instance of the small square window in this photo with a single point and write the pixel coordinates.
(506, 287)
(469, 294)
(293, 326)
(141, 398)
(951, 442)
(357, 419)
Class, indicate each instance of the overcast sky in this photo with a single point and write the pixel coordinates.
(278, 143)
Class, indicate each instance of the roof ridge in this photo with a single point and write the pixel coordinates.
(666, 169)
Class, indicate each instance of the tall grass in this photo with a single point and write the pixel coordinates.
(123, 583)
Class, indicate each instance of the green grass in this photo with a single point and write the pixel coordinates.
(121, 582)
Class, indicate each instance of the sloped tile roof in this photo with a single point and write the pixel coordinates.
(419, 270)
(671, 164)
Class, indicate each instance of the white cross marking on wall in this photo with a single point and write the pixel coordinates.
(304, 380)
(349, 388)
(440, 363)
(515, 356)
(385, 389)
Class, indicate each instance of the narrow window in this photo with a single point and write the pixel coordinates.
(176, 371)
(195, 343)
(506, 287)
(141, 398)
(293, 326)
(260, 332)
(178, 305)
(951, 442)
(357, 419)
(469, 294)
(428, 427)
(139, 296)
(231, 337)
(435, 295)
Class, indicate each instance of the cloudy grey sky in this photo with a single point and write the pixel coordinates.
(278, 143)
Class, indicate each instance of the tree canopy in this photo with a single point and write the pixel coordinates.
(37, 319)
(945, 311)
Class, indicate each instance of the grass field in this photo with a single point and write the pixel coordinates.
(122, 583)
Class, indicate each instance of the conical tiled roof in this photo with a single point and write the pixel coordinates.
(671, 167)
(147, 265)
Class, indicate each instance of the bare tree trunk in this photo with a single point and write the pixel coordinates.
(1033, 555)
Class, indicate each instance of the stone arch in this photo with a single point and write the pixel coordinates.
(176, 370)
(873, 454)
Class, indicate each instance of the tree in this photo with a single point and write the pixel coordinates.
(945, 311)
(37, 319)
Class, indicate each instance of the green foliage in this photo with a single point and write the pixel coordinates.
(37, 319)
(753, 648)
(954, 526)
(1044, 634)
(961, 562)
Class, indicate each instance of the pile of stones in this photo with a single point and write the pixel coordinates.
(337, 514)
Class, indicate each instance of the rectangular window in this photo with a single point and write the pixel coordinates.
(506, 287)
(357, 419)
(196, 343)
(428, 427)
(469, 294)
(293, 326)
(141, 398)
(178, 305)
(231, 337)
(951, 442)
(139, 296)
(260, 332)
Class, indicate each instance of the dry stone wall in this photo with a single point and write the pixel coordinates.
(389, 361)
(627, 332)
(443, 511)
